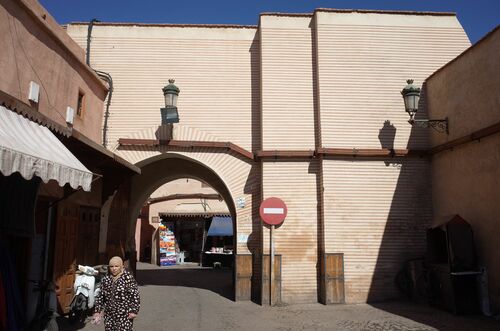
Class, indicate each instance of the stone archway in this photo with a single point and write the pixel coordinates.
(164, 168)
(235, 178)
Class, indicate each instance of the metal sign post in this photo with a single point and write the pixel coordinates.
(271, 268)
(273, 212)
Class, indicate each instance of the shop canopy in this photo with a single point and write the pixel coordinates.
(221, 226)
(33, 150)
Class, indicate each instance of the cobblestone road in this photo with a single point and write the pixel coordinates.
(199, 299)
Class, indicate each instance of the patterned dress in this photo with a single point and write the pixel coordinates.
(118, 299)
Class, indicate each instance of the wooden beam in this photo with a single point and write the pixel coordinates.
(370, 152)
(285, 154)
(476, 135)
(277, 154)
(187, 144)
(151, 201)
(138, 142)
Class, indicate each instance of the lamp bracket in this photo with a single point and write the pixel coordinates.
(437, 125)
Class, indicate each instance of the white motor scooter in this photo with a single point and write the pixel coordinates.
(86, 289)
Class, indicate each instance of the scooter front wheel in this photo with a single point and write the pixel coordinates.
(75, 316)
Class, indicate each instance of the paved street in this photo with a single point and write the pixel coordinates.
(199, 299)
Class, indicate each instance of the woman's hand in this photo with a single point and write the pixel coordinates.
(131, 316)
(96, 318)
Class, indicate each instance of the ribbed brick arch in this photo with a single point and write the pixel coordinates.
(163, 168)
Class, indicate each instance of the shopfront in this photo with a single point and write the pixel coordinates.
(195, 240)
(34, 165)
(220, 243)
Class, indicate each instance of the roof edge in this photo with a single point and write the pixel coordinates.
(56, 32)
(377, 11)
(486, 36)
(237, 26)
(169, 25)
(112, 156)
(286, 14)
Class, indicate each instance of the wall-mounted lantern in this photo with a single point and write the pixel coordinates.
(169, 114)
(411, 97)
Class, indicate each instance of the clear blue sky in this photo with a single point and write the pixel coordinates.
(478, 17)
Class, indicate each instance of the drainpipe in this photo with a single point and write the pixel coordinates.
(104, 75)
(108, 78)
(89, 36)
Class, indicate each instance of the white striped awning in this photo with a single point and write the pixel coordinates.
(33, 150)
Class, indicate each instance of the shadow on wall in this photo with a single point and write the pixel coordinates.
(410, 214)
(144, 246)
(255, 103)
(117, 226)
(408, 217)
(386, 136)
(317, 168)
(254, 242)
(253, 183)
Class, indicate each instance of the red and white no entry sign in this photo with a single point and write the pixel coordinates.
(273, 211)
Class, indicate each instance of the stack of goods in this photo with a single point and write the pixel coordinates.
(167, 245)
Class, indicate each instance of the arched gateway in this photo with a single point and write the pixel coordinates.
(232, 176)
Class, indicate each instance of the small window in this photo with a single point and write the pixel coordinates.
(81, 104)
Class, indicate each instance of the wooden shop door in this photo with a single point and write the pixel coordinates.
(65, 253)
(88, 236)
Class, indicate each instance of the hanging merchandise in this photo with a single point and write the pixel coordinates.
(168, 255)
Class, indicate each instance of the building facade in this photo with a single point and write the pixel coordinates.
(465, 172)
(54, 173)
(302, 107)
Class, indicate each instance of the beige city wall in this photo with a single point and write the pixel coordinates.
(364, 60)
(260, 89)
(287, 83)
(376, 211)
(362, 63)
(215, 68)
(296, 240)
(466, 180)
(288, 124)
(35, 48)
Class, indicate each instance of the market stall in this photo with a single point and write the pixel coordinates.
(219, 243)
(168, 254)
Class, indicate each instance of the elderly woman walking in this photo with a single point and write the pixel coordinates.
(118, 299)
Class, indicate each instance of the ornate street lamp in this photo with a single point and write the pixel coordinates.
(411, 97)
(169, 114)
